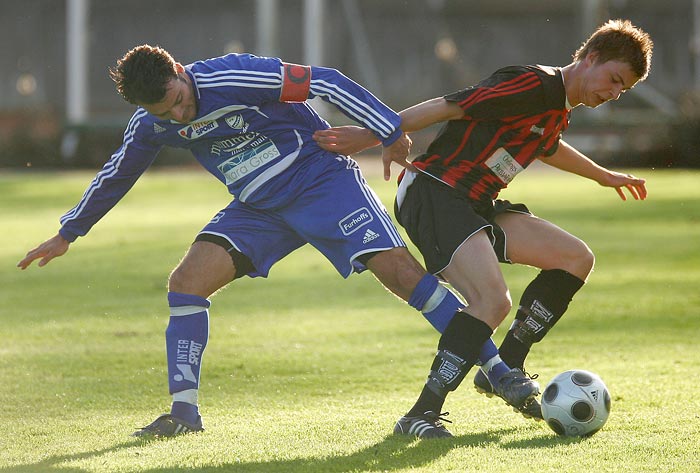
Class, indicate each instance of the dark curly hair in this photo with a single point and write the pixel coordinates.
(620, 40)
(142, 74)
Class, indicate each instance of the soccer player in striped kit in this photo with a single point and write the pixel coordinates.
(448, 202)
(246, 120)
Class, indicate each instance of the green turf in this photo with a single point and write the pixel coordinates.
(307, 372)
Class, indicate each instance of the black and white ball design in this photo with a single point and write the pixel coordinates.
(576, 403)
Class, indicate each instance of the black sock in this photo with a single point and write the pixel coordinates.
(458, 350)
(427, 401)
(542, 304)
(513, 352)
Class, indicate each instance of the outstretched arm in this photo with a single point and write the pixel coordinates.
(353, 139)
(567, 158)
(50, 249)
(429, 113)
(347, 140)
(110, 184)
(359, 104)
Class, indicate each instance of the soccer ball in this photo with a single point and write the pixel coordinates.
(576, 403)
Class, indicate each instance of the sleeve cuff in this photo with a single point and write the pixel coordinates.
(389, 140)
(68, 236)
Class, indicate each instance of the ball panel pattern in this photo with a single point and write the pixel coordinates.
(576, 403)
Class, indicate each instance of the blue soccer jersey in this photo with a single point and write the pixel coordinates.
(252, 126)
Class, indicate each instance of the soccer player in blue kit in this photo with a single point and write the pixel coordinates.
(246, 120)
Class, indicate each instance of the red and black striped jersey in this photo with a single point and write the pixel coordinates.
(511, 118)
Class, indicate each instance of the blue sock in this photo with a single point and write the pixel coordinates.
(437, 304)
(185, 339)
(185, 411)
(490, 362)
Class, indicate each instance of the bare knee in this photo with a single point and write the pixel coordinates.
(582, 262)
(491, 308)
(575, 258)
(503, 306)
(498, 308)
(205, 269)
(589, 259)
(397, 270)
(179, 281)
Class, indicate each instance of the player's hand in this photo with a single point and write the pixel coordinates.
(50, 249)
(345, 140)
(635, 185)
(397, 152)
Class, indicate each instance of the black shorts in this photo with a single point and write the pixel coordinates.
(438, 219)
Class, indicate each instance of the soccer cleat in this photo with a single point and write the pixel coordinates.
(426, 426)
(482, 384)
(168, 426)
(516, 388)
(530, 410)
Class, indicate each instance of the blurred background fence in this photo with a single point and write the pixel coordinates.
(58, 107)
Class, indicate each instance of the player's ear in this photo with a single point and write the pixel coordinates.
(592, 57)
(179, 68)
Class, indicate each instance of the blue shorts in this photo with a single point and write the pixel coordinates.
(328, 205)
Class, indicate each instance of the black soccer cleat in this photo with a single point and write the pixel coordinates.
(530, 410)
(516, 388)
(425, 426)
(168, 426)
(482, 384)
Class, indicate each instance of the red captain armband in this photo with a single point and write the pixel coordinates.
(296, 82)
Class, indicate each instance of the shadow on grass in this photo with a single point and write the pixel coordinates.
(391, 454)
(55, 463)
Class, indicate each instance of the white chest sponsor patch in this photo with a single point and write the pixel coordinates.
(248, 161)
(503, 165)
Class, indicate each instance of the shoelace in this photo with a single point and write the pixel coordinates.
(438, 417)
(531, 376)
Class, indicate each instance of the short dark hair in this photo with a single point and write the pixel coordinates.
(620, 40)
(142, 74)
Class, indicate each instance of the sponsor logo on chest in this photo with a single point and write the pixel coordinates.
(237, 123)
(249, 156)
(503, 165)
(198, 129)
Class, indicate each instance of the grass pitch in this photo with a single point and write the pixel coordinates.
(307, 372)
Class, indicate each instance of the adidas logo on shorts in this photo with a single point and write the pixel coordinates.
(369, 236)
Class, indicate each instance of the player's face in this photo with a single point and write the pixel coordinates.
(606, 81)
(179, 103)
